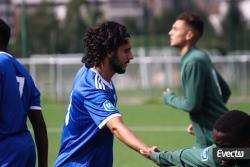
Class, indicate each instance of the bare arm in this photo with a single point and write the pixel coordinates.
(124, 134)
(41, 138)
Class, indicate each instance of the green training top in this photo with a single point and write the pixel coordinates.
(204, 94)
(188, 157)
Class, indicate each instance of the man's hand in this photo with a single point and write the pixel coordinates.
(190, 129)
(166, 91)
(149, 151)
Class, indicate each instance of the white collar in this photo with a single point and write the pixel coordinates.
(109, 84)
(1, 52)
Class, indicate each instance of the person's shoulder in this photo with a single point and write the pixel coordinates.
(89, 84)
(5, 57)
(198, 53)
(204, 155)
(83, 76)
(198, 56)
(88, 79)
(6, 61)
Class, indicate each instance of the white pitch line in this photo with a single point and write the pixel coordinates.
(139, 129)
(158, 128)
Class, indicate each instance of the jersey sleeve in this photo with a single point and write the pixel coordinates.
(186, 157)
(101, 107)
(35, 96)
(193, 87)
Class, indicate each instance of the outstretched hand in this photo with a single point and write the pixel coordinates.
(190, 129)
(149, 151)
(166, 90)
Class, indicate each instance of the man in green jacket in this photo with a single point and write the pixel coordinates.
(232, 130)
(204, 91)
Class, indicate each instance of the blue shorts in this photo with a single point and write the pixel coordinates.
(18, 151)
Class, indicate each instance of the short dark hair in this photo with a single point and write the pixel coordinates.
(234, 124)
(101, 40)
(4, 34)
(193, 21)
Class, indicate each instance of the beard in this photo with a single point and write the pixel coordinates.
(115, 65)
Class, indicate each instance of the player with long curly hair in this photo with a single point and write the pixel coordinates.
(92, 117)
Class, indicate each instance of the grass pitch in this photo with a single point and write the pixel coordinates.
(155, 124)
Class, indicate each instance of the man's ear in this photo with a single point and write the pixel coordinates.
(190, 35)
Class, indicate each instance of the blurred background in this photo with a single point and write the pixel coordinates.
(47, 38)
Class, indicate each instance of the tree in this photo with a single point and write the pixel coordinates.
(42, 27)
(79, 16)
(72, 29)
(234, 28)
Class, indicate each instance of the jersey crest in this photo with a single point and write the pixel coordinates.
(204, 154)
(108, 106)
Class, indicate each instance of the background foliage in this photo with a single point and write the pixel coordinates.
(47, 34)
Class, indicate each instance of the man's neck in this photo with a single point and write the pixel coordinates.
(105, 72)
(184, 50)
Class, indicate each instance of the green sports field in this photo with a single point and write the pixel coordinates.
(155, 124)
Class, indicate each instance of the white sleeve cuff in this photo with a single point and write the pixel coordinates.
(35, 108)
(107, 119)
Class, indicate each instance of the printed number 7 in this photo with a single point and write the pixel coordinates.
(68, 111)
(20, 81)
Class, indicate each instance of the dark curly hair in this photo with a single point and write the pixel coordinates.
(101, 40)
(235, 124)
(4, 34)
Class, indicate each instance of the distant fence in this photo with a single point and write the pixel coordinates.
(54, 75)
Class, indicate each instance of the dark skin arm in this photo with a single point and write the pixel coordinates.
(41, 138)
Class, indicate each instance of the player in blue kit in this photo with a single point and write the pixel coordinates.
(92, 117)
(19, 99)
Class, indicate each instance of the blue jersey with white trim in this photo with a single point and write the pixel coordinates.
(86, 141)
(18, 94)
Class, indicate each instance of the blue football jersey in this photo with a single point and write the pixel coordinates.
(14, 106)
(86, 141)
(18, 94)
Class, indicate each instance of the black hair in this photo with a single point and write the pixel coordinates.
(4, 34)
(102, 40)
(235, 124)
(193, 21)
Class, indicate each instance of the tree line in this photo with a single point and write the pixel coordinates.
(49, 35)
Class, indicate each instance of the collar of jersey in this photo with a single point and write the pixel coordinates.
(103, 80)
(1, 52)
(186, 55)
